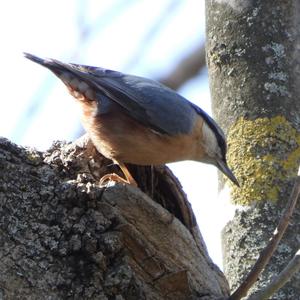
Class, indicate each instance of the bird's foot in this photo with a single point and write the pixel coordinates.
(107, 179)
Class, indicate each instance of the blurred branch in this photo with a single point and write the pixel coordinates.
(268, 251)
(279, 281)
(87, 30)
(151, 33)
(187, 68)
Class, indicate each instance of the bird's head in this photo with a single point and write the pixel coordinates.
(215, 148)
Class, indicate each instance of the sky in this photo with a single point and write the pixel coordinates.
(36, 108)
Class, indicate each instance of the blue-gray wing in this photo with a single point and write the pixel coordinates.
(147, 101)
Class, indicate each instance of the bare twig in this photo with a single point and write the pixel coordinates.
(268, 251)
(279, 281)
(186, 69)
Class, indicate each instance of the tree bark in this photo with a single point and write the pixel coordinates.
(253, 61)
(64, 237)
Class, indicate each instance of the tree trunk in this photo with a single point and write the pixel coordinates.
(253, 59)
(64, 237)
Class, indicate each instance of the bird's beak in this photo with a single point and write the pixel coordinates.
(223, 167)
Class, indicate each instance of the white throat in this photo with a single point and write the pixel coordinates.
(210, 141)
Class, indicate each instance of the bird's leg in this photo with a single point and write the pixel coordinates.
(114, 177)
(127, 174)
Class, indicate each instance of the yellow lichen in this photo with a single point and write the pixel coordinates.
(263, 153)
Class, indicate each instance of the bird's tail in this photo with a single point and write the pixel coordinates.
(75, 77)
(55, 66)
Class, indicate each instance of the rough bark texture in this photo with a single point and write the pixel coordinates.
(253, 59)
(63, 237)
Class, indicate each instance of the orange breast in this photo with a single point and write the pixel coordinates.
(119, 137)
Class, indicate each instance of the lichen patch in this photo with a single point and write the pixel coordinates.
(263, 153)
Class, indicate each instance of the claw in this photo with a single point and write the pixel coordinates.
(108, 178)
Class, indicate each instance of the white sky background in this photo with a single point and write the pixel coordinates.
(36, 108)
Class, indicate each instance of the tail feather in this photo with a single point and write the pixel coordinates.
(53, 65)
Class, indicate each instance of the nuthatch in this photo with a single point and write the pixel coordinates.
(135, 120)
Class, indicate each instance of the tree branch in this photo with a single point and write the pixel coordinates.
(186, 69)
(279, 281)
(62, 236)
